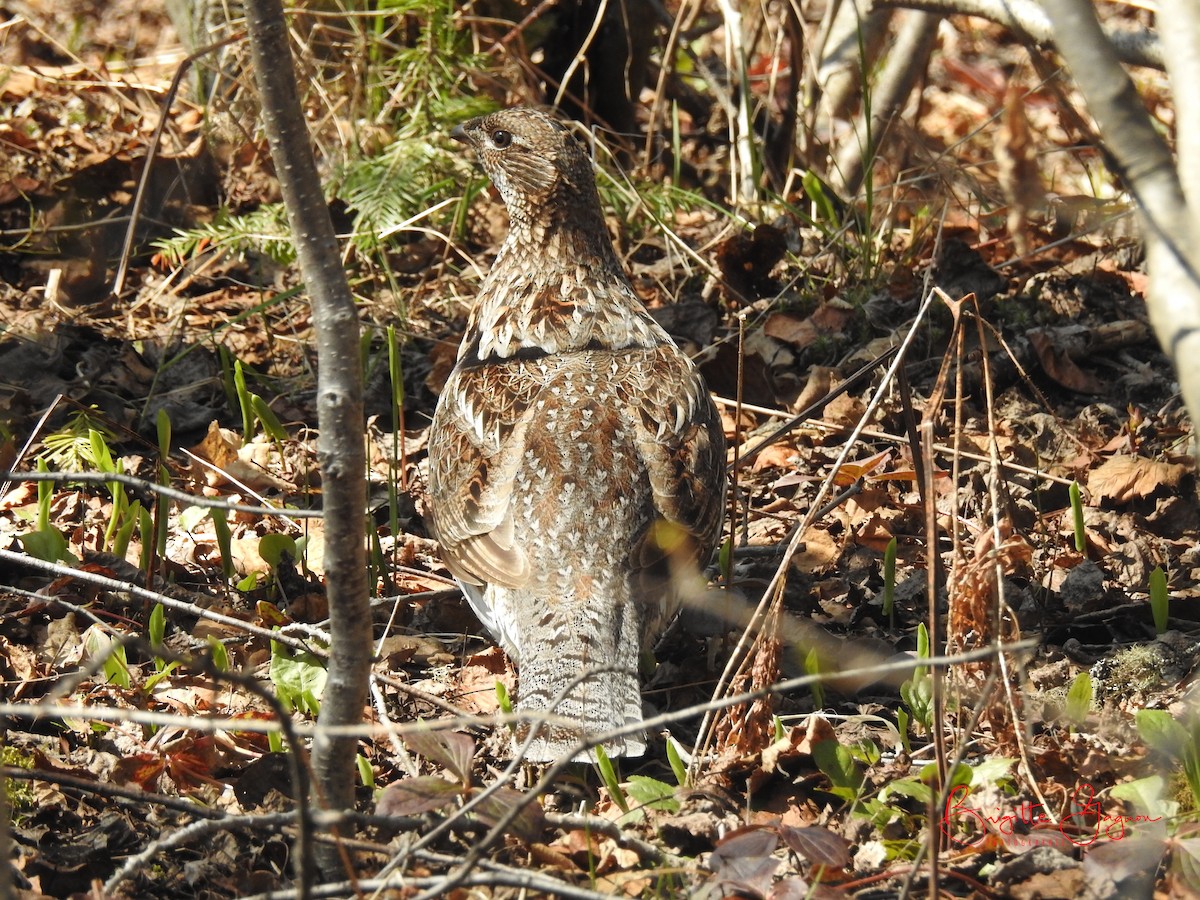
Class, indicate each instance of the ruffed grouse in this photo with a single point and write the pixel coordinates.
(576, 458)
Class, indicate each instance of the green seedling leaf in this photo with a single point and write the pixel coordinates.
(1159, 599)
(908, 787)
(865, 751)
(151, 541)
(191, 516)
(917, 692)
(309, 702)
(675, 758)
(47, 545)
(902, 728)
(220, 656)
(1146, 795)
(225, 358)
(248, 584)
(918, 697)
(1161, 732)
(608, 774)
(366, 774)
(449, 749)
(124, 534)
(993, 770)
(224, 540)
(156, 631)
(299, 679)
(1186, 857)
(45, 494)
(153, 680)
(503, 699)
(837, 764)
(157, 628)
(243, 399)
(1073, 493)
(889, 582)
(99, 644)
(962, 774)
(1079, 699)
(267, 418)
(271, 548)
(395, 368)
(652, 793)
(817, 193)
(879, 813)
(101, 454)
(725, 561)
(162, 423)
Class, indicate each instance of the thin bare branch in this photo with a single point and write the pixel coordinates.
(1028, 19)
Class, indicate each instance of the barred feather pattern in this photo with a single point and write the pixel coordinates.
(576, 458)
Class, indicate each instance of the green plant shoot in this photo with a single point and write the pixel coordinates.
(1159, 600)
(1077, 516)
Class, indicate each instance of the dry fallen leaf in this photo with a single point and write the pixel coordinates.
(403, 649)
(223, 448)
(475, 682)
(1124, 478)
(1057, 363)
(821, 550)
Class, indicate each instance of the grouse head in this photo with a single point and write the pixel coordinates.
(536, 162)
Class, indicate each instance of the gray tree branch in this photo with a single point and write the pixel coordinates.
(341, 444)
(916, 37)
(1181, 43)
(1028, 19)
(1145, 162)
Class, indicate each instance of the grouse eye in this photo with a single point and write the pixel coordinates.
(501, 138)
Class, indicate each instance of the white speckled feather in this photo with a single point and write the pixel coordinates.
(570, 426)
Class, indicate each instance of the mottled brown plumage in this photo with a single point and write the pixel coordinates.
(576, 457)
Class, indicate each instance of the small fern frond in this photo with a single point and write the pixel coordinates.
(406, 179)
(264, 231)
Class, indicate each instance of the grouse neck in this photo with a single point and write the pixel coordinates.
(557, 293)
(550, 243)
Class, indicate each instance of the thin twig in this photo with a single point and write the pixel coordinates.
(152, 154)
(153, 487)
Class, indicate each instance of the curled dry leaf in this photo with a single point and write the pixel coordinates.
(819, 846)
(742, 861)
(1056, 362)
(450, 749)
(530, 821)
(413, 796)
(414, 649)
(224, 449)
(475, 682)
(1124, 478)
(819, 553)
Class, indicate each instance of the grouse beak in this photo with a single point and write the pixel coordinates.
(460, 134)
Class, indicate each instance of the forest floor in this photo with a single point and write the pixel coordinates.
(140, 743)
